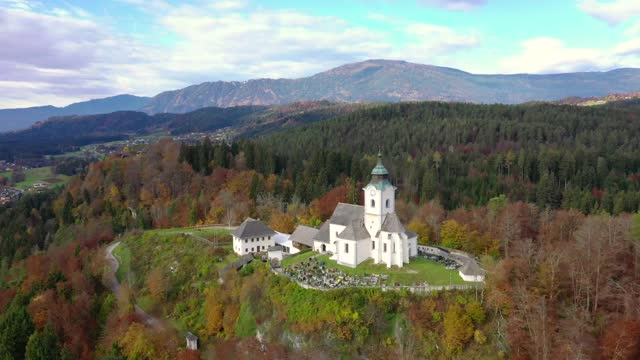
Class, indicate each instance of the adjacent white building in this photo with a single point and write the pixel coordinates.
(252, 236)
(355, 233)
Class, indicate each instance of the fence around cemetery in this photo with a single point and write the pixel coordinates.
(418, 289)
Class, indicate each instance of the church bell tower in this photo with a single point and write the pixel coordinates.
(379, 198)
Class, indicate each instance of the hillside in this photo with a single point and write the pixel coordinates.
(392, 81)
(15, 119)
(60, 134)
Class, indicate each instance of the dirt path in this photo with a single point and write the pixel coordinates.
(114, 285)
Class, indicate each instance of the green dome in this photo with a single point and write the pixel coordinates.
(379, 169)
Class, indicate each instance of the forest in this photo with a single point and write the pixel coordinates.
(532, 191)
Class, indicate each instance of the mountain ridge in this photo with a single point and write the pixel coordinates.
(375, 80)
(21, 118)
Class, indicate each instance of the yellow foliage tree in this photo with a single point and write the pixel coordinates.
(213, 313)
(453, 234)
(422, 229)
(282, 222)
(458, 329)
(137, 343)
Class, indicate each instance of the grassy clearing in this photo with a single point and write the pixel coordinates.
(188, 265)
(418, 270)
(220, 234)
(36, 175)
(299, 257)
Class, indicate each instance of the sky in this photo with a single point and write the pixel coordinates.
(62, 51)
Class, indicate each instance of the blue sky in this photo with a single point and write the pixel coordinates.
(62, 51)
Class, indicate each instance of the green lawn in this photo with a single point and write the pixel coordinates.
(301, 256)
(35, 175)
(205, 233)
(418, 270)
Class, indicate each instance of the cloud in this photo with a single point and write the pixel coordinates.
(612, 12)
(224, 5)
(454, 5)
(61, 58)
(550, 55)
(633, 29)
(438, 40)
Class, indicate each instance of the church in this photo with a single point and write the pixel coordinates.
(355, 233)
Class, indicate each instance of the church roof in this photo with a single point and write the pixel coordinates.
(323, 233)
(392, 224)
(472, 268)
(304, 235)
(410, 234)
(355, 231)
(252, 228)
(344, 214)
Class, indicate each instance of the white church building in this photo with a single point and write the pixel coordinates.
(355, 233)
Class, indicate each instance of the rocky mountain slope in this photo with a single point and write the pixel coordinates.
(367, 81)
(391, 81)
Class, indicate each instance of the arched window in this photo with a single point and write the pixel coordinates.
(373, 203)
(386, 203)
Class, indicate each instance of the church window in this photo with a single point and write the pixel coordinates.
(373, 245)
(385, 248)
(346, 248)
(386, 203)
(246, 250)
(389, 236)
(373, 203)
(394, 247)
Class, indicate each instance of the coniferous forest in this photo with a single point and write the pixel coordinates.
(531, 190)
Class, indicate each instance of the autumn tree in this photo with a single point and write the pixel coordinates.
(282, 222)
(458, 329)
(421, 229)
(157, 284)
(213, 312)
(453, 234)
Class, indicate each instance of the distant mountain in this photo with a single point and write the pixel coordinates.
(15, 119)
(392, 81)
(60, 134)
(367, 81)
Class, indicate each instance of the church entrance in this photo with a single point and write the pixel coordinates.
(324, 248)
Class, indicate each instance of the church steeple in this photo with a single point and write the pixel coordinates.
(379, 172)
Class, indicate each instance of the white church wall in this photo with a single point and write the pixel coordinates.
(364, 250)
(347, 252)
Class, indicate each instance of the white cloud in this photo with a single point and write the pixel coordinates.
(438, 40)
(550, 55)
(455, 5)
(224, 5)
(612, 12)
(633, 29)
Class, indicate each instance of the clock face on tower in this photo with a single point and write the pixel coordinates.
(372, 192)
